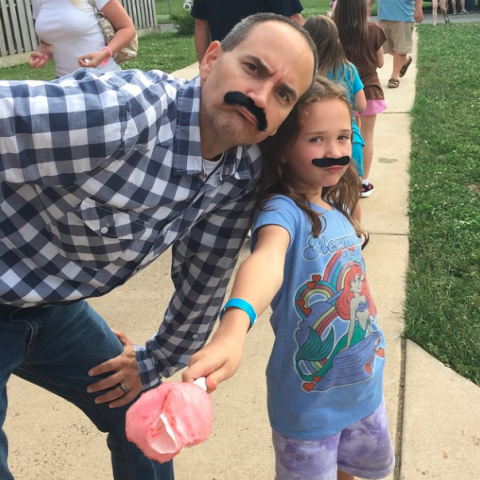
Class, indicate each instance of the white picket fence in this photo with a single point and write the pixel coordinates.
(17, 34)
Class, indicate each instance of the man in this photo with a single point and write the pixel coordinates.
(215, 18)
(397, 17)
(99, 175)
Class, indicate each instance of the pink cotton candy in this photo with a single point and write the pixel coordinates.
(167, 418)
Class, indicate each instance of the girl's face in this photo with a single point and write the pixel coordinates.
(357, 284)
(325, 132)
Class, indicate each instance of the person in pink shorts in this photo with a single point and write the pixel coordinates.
(362, 42)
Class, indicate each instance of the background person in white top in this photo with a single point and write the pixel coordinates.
(70, 34)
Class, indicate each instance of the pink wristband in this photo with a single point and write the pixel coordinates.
(111, 55)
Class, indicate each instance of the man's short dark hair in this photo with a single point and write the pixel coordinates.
(241, 30)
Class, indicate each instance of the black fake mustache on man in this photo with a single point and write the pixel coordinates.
(331, 162)
(238, 98)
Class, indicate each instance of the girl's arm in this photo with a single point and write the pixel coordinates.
(380, 58)
(124, 33)
(258, 280)
(360, 101)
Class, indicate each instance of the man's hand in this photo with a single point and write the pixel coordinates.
(418, 14)
(218, 361)
(124, 372)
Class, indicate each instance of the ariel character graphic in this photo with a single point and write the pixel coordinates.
(355, 305)
(334, 353)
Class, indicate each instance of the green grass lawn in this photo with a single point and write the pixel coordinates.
(443, 283)
(165, 51)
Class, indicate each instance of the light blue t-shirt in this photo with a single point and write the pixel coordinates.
(316, 385)
(352, 84)
(396, 10)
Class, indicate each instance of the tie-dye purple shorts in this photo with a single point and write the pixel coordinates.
(364, 450)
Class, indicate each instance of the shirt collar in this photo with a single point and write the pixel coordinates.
(187, 149)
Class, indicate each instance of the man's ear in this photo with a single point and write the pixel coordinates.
(213, 53)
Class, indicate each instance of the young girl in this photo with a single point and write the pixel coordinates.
(333, 64)
(362, 42)
(325, 374)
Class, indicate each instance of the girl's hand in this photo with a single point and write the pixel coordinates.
(38, 59)
(93, 59)
(217, 361)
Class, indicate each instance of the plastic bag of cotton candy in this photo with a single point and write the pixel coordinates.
(167, 418)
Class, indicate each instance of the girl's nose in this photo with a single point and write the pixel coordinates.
(333, 150)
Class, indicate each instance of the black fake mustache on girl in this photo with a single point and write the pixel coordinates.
(241, 99)
(331, 162)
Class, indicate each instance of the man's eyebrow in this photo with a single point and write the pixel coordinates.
(264, 71)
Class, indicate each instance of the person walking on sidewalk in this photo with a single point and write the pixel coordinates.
(325, 373)
(362, 41)
(100, 173)
(397, 17)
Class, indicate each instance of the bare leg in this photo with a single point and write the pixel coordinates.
(367, 128)
(399, 60)
(443, 9)
(434, 11)
(345, 476)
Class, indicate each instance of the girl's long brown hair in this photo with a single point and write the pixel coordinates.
(277, 179)
(331, 55)
(351, 18)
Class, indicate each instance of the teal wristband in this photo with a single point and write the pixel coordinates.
(242, 305)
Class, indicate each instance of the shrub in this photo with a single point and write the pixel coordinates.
(184, 23)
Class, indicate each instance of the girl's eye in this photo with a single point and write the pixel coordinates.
(344, 137)
(315, 140)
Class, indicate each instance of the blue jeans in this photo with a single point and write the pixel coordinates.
(54, 347)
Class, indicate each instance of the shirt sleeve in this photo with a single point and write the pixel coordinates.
(100, 3)
(200, 10)
(55, 133)
(35, 8)
(200, 274)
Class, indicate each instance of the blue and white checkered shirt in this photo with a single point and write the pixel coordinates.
(99, 175)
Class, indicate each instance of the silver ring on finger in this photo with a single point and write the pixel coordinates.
(124, 388)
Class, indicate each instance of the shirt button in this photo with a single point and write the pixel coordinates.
(194, 336)
(104, 229)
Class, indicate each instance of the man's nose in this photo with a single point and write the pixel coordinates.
(260, 95)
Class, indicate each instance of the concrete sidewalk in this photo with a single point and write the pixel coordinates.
(434, 413)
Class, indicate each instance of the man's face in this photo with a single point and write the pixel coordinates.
(273, 67)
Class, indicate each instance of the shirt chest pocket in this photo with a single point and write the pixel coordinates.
(97, 236)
